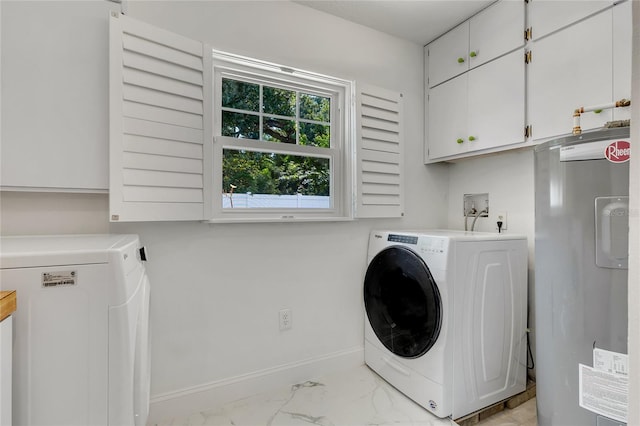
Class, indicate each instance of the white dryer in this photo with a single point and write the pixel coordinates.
(81, 329)
(445, 316)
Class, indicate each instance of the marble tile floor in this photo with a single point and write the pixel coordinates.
(522, 415)
(356, 397)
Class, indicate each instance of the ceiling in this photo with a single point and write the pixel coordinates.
(419, 21)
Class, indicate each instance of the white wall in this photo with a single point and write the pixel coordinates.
(508, 178)
(217, 289)
(31, 213)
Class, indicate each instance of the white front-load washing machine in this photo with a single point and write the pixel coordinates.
(445, 316)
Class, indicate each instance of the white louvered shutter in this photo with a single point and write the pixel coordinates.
(160, 124)
(380, 191)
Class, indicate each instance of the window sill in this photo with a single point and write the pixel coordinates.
(286, 219)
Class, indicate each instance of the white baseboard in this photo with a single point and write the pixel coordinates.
(183, 402)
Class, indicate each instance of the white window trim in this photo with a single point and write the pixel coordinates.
(342, 154)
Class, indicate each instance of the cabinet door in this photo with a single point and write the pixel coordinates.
(55, 94)
(448, 119)
(495, 31)
(547, 16)
(448, 55)
(496, 103)
(622, 36)
(570, 69)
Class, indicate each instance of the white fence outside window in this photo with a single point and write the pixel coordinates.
(270, 201)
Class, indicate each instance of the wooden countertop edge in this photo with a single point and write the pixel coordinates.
(7, 303)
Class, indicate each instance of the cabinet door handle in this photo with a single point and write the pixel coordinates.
(460, 140)
(472, 138)
(460, 60)
(473, 54)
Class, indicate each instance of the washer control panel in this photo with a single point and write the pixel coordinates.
(425, 244)
(434, 251)
(404, 239)
(432, 245)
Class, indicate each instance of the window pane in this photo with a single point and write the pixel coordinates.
(279, 101)
(236, 125)
(279, 130)
(313, 107)
(315, 134)
(240, 95)
(269, 180)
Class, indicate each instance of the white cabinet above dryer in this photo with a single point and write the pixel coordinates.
(476, 41)
(547, 16)
(581, 58)
(585, 64)
(448, 55)
(55, 95)
(483, 109)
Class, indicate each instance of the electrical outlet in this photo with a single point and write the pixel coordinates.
(285, 319)
(501, 217)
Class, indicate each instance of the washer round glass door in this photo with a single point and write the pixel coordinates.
(402, 302)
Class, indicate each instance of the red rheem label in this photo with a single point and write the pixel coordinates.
(618, 151)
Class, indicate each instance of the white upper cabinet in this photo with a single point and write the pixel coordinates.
(570, 69)
(447, 123)
(493, 32)
(448, 55)
(579, 56)
(55, 95)
(478, 111)
(496, 102)
(547, 16)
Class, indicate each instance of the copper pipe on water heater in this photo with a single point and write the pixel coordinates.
(597, 109)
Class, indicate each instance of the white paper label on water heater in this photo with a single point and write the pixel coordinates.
(603, 392)
(612, 362)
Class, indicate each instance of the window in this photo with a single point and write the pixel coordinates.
(269, 180)
(197, 134)
(281, 148)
